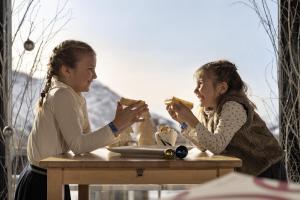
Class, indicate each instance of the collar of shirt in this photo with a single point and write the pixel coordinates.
(55, 83)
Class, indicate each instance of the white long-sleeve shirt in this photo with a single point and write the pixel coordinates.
(233, 116)
(62, 125)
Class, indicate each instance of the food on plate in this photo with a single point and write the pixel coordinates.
(165, 136)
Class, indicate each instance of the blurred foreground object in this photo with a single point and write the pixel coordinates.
(242, 187)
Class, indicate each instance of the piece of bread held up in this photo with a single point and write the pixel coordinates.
(188, 104)
(127, 102)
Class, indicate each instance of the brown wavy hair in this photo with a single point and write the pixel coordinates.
(66, 53)
(225, 71)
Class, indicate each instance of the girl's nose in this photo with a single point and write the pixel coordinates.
(94, 75)
(196, 90)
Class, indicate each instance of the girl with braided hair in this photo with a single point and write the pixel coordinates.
(61, 123)
(227, 122)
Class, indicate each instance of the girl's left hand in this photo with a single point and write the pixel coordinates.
(181, 113)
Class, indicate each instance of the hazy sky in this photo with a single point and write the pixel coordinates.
(149, 49)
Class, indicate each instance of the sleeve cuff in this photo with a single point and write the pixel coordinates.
(192, 135)
(183, 126)
(113, 128)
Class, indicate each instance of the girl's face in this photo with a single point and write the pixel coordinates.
(80, 77)
(207, 91)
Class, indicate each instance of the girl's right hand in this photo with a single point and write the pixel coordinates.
(125, 117)
(172, 113)
(181, 113)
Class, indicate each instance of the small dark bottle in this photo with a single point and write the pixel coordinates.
(181, 152)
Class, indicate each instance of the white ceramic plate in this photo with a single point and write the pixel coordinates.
(141, 151)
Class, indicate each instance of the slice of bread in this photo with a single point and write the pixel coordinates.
(188, 104)
(127, 102)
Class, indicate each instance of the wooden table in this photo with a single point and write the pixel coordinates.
(105, 167)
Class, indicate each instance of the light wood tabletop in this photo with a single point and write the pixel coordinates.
(105, 167)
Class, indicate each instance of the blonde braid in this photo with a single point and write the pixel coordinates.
(46, 88)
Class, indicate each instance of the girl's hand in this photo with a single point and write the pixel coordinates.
(181, 113)
(173, 114)
(125, 117)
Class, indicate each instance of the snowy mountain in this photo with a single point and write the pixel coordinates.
(101, 102)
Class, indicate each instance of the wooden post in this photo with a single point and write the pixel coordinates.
(289, 84)
(5, 62)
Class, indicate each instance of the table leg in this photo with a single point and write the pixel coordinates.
(55, 187)
(83, 192)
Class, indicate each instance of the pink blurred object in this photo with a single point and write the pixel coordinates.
(236, 186)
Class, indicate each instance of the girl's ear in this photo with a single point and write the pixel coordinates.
(65, 71)
(223, 87)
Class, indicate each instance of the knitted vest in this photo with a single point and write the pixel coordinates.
(253, 143)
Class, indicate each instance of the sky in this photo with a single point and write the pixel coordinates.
(150, 49)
